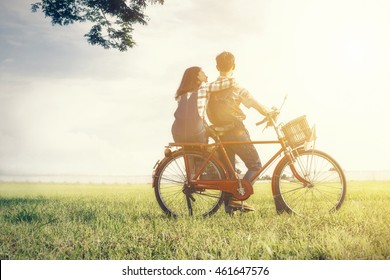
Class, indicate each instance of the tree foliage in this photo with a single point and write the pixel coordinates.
(112, 20)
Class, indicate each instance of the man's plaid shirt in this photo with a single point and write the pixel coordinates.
(206, 88)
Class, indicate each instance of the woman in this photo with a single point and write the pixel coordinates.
(192, 95)
(189, 124)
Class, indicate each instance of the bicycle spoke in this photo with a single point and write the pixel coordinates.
(178, 198)
(325, 191)
(216, 195)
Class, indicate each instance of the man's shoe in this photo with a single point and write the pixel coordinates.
(235, 205)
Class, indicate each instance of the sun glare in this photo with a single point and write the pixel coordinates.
(357, 47)
(355, 51)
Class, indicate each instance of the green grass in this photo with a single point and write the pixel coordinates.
(72, 221)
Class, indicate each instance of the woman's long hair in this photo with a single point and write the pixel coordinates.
(189, 82)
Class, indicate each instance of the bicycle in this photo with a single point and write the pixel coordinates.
(191, 180)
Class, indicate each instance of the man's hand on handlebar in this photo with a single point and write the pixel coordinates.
(270, 116)
(273, 113)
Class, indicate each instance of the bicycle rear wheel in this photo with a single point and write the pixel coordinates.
(324, 193)
(176, 196)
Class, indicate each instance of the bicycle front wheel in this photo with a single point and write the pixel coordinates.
(324, 192)
(176, 196)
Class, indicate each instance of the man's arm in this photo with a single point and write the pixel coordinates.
(250, 102)
(259, 107)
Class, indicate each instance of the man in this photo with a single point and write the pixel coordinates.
(223, 109)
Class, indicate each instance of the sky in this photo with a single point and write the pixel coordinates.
(69, 108)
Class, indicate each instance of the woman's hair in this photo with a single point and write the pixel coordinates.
(189, 82)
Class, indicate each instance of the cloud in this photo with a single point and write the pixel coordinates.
(68, 107)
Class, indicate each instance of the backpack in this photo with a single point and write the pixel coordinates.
(223, 108)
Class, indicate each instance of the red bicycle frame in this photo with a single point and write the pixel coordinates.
(241, 189)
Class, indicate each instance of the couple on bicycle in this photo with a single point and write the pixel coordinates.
(221, 101)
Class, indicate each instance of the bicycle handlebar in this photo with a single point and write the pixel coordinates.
(270, 119)
(262, 121)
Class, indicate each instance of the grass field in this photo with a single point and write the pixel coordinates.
(72, 221)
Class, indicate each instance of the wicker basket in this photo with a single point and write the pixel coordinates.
(297, 131)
